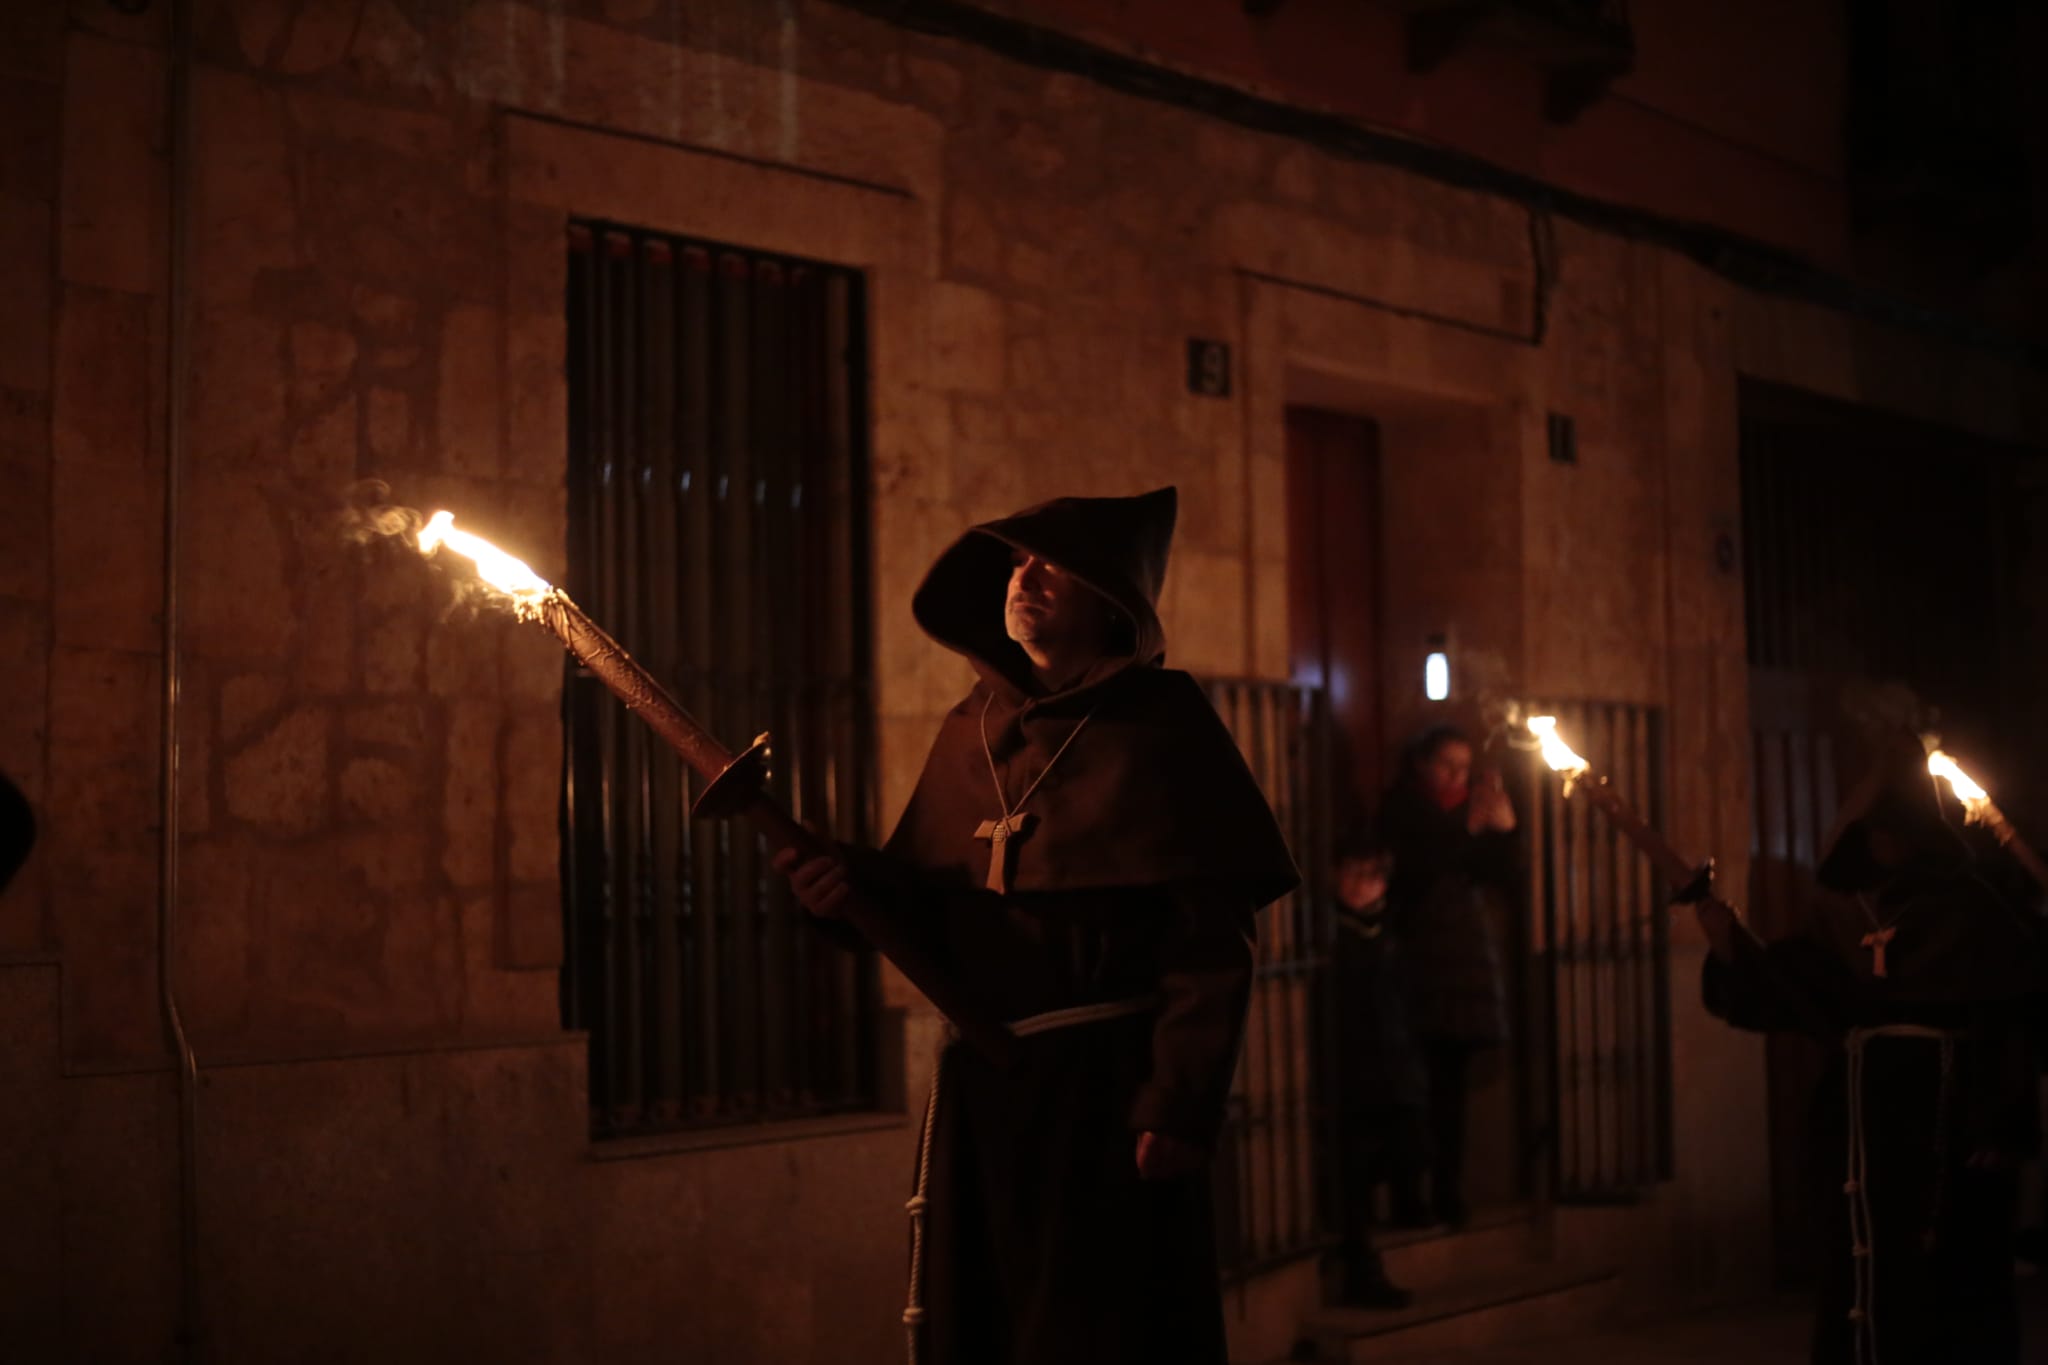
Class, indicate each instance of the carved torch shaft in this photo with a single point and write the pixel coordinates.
(2022, 853)
(1668, 861)
(736, 787)
(635, 686)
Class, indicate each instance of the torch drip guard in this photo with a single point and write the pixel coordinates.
(1699, 888)
(743, 782)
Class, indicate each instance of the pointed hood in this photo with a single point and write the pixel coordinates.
(1899, 794)
(1156, 793)
(1117, 547)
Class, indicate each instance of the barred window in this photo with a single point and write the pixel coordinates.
(718, 527)
(1598, 979)
(1275, 1173)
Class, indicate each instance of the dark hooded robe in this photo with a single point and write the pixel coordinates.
(1928, 1102)
(1150, 851)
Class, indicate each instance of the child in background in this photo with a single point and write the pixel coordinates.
(1381, 1084)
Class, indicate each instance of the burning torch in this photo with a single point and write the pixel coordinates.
(1979, 809)
(1694, 883)
(736, 785)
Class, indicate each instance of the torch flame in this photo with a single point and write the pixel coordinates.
(1973, 797)
(493, 565)
(1556, 752)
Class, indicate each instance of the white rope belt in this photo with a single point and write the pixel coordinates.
(1050, 1021)
(1862, 1232)
(1075, 1015)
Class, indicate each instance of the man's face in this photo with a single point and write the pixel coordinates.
(1889, 848)
(1048, 609)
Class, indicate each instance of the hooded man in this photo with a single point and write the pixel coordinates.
(1916, 975)
(1085, 851)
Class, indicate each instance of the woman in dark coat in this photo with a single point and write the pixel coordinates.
(1451, 842)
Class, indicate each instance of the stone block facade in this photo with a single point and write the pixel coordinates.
(393, 1151)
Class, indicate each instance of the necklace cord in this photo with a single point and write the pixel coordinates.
(995, 774)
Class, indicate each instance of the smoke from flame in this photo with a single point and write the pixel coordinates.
(368, 516)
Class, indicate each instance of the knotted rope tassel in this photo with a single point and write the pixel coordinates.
(913, 1311)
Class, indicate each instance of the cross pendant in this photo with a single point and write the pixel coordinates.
(999, 833)
(1875, 941)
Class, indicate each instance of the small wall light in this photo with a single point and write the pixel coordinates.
(1436, 671)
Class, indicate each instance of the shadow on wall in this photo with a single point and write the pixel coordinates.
(17, 830)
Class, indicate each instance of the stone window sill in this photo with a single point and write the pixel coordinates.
(745, 1135)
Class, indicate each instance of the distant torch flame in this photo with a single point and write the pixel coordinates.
(1556, 752)
(493, 565)
(1973, 797)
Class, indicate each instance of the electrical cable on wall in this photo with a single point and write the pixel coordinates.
(1741, 260)
(177, 366)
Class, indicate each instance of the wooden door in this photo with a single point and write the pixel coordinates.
(1333, 591)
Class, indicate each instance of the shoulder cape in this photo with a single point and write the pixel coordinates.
(1153, 792)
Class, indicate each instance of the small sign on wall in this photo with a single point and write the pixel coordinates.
(1564, 439)
(1208, 368)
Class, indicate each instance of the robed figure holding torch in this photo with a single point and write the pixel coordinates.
(1085, 852)
(1916, 976)
(1073, 886)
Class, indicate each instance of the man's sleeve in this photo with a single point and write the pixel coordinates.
(890, 888)
(1205, 986)
(1790, 986)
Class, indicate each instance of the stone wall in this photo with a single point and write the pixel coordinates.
(392, 1139)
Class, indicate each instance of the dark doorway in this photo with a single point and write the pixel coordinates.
(1338, 610)
(1333, 591)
